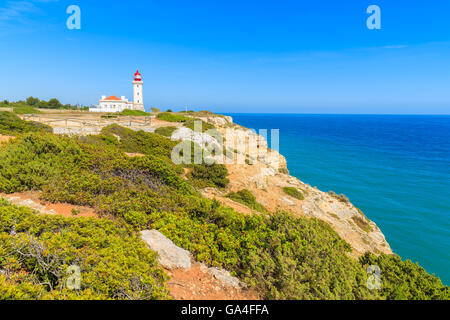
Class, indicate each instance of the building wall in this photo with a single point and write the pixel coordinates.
(112, 106)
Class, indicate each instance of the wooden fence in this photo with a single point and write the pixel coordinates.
(72, 124)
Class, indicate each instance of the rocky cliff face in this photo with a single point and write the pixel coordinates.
(268, 176)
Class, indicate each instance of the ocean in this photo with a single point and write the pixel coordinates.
(396, 168)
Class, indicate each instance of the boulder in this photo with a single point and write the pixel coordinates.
(170, 256)
(225, 278)
(203, 139)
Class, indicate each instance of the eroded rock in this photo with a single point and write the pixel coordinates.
(170, 256)
(226, 278)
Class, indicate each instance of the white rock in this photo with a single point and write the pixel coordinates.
(225, 277)
(288, 201)
(203, 139)
(170, 256)
(261, 178)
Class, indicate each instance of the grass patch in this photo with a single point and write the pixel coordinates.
(171, 117)
(205, 175)
(247, 198)
(203, 113)
(26, 110)
(166, 131)
(294, 192)
(11, 124)
(341, 197)
(190, 123)
(362, 223)
(128, 112)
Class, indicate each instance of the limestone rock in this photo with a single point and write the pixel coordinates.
(170, 256)
(261, 178)
(217, 121)
(226, 278)
(203, 139)
(288, 201)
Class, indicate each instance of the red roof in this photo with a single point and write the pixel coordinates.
(113, 98)
(137, 73)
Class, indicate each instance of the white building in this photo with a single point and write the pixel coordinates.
(115, 104)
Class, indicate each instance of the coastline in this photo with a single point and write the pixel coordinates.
(392, 180)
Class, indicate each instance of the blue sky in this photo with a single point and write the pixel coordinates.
(232, 56)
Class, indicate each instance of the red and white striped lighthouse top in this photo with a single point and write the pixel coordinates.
(137, 76)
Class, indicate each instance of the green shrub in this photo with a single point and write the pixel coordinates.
(166, 131)
(281, 256)
(247, 198)
(31, 162)
(294, 192)
(109, 116)
(140, 141)
(341, 197)
(25, 110)
(128, 112)
(10, 124)
(209, 175)
(36, 252)
(170, 117)
(405, 280)
(204, 125)
(362, 223)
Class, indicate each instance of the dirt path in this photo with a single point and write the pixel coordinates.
(5, 139)
(31, 199)
(198, 284)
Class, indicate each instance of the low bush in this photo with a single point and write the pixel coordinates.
(294, 192)
(209, 175)
(341, 197)
(140, 141)
(405, 280)
(166, 131)
(36, 252)
(26, 110)
(11, 124)
(362, 223)
(170, 117)
(247, 198)
(205, 126)
(128, 112)
(281, 256)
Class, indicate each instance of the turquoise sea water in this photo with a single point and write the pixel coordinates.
(395, 168)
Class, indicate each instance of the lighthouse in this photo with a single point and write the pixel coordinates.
(138, 92)
(116, 104)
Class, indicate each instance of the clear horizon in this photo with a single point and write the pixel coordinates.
(232, 57)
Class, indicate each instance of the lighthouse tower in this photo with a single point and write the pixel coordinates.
(138, 95)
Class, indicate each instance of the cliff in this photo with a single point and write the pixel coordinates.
(254, 167)
(112, 187)
(268, 176)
